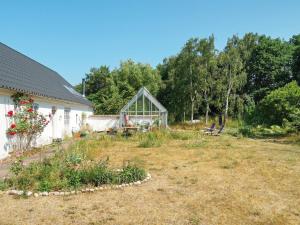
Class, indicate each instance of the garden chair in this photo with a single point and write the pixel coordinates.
(218, 132)
(209, 130)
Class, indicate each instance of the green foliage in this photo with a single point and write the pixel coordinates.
(131, 173)
(44, 185)
(233, 73)
(295, 41)
(269, 66)
(3, 185)
(149, 140)
(74, 159)
(17, 166)
(157, 138)
(97, 174)
(24, 182)
(111, 90)
(188, 78)
(200, 81)
(281, 107)
(262, 131)
(69, 170)
(25, 121)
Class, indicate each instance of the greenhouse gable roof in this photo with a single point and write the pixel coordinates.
(147, 94)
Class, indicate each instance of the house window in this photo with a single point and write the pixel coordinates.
(53, 110)
(67, 117)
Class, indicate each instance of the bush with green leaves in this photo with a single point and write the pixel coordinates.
(260, 131)
(131, 173)
(281, 107)
(26, 123)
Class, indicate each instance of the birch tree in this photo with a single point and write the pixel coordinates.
(207, 62)
(188, 74)
(232, 71)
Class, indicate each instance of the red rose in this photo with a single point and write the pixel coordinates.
(12, 133)
(31, 100)
(10, 113)
(30, 110)
(13, 126)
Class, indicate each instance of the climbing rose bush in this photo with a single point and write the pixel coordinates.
(25, 122)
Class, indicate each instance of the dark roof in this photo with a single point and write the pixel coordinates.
(21, 73)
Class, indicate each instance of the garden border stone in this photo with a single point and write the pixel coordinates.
(75, 192)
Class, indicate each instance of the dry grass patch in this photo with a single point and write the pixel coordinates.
(224, 181)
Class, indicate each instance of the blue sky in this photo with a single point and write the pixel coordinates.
(70, 37)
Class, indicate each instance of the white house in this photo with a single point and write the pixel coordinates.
(52, 93)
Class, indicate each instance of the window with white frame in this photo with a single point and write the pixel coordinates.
(67, 117)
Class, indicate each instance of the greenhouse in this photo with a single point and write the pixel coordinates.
(144, 111)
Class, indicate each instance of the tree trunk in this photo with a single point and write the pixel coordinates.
(206, 114)
(207, 107)
(226, 105)
(192, 111)
(29, 140)
(220, 119)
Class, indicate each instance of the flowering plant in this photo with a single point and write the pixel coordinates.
(25, 122)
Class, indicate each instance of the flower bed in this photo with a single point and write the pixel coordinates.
(70, 172)
(75, 192)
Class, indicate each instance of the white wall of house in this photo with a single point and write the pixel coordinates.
(6, 104)
(100, 123)
(59, 125)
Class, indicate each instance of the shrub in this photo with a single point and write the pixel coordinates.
(74, 178)
(262, 131)
(131, 173)
(97, 174)
(280, 107)
(45, 185)
(25, 122)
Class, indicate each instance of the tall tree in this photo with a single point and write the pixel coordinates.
(168, 95)
(110, 90)
(269, 66)
(295, 40)
(232, 70)
(207, 63)
(187, 77)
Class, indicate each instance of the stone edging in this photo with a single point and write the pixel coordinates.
(86, 190)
